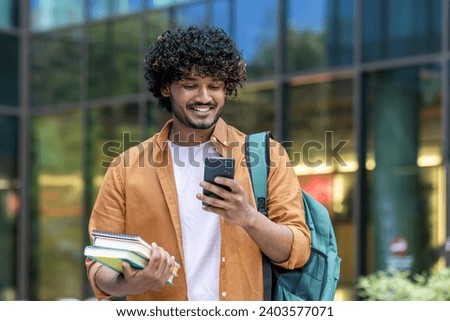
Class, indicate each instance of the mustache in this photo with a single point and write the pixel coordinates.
(194, 104)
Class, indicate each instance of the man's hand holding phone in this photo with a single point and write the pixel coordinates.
(217, 167)
(225, 197)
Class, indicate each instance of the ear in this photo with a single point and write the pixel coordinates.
(165, 91)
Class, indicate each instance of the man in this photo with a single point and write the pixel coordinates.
(155, 189)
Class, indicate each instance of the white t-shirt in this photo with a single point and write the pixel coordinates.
(200, 229)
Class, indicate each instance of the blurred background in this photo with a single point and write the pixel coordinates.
(357, 90)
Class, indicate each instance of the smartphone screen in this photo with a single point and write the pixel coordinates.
(217, 166)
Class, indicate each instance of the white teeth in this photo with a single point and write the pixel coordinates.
(205, 109)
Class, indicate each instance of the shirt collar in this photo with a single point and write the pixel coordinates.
(220, 133)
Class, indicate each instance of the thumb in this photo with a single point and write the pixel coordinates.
(126, 268)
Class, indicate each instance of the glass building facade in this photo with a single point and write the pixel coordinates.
(357, 90)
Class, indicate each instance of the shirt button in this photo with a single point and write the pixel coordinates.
(225, 142)
(224, 294)
(214, 139)
(223, 259)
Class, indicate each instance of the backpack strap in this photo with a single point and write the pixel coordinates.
(258, 161)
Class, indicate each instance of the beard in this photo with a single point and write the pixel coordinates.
(183, 117)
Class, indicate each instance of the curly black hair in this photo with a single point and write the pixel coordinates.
(208, 51)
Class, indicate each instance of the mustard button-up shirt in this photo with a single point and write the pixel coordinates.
(138, 196)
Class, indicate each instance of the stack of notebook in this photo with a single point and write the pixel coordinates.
(110, 249)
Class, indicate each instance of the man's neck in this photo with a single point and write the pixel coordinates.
(189, 137)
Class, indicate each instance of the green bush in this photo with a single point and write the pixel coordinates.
(392, 285)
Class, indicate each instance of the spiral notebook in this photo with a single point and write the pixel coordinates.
(111, 248)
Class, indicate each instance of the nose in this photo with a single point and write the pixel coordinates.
(203, 95)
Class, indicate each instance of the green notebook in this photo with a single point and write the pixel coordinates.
(113, 257)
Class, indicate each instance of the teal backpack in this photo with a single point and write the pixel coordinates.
(317, 279)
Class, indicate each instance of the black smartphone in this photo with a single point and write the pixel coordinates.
(217, 166)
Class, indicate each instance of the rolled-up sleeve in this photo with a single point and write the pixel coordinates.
(285, 206)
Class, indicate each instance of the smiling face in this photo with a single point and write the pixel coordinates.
(197, 103)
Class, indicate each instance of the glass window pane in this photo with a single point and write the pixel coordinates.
(257, 35)
(100, 9)
(55, 63)
(195, 14)
(100, 65)
(49, 14)
(253, 109)
(156, 118)
(9, 206)
(221, 15)
(322, 113)
(323, 153)
(165, 3)
(8, 13)
(114, 57)
(397, 28)
(320, 33)
(156, 23)
(57, 198)
(9, 66)
(405, 163)
(113, 130)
